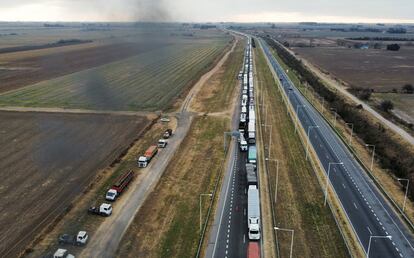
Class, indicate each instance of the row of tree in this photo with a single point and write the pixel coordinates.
(392, 155)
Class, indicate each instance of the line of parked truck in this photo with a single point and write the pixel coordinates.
(105, 209)
(247, 129)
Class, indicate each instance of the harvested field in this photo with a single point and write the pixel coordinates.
(167, 223)
(47, 160)
(148, 81)
(378, 69)
(25, 68)
(299, 204)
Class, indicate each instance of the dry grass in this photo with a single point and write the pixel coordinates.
(218, 93)
(300, 199)
(167, 225)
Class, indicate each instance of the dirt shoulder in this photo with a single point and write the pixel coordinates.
(299, 203)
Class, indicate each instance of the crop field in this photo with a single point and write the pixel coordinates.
(147, 81)
(19, 69)
(46, 160)
(379, 69)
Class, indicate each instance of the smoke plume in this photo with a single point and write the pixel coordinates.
(151, 11)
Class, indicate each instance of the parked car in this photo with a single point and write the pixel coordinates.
(104, 210)
(165, 119)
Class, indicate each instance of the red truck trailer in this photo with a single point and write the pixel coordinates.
(120, 184)
(253, 250)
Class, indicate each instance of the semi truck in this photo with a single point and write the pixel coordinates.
(251, 129)
(251, 176)
(253, 213)
(252, 154)
(105, 209)
(148, 155)
(243, 143)
(120, 185)
(80, 239)
(162, 143)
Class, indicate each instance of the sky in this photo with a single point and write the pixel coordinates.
(366, 11)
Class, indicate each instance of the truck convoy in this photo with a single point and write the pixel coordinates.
(148, 155)
(120, 185)
(247, 129)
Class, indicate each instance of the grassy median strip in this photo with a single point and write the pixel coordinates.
(167, 224)
(299, 203)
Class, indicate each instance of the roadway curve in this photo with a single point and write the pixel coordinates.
(366, 209)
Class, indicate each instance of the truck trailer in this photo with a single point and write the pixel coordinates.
(251, 176)
(148, 155)
(253, 250)
(253, 213)
(120, 185)
(251, 129)
(252, 154)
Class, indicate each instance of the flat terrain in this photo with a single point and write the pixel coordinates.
(167, 223)
(47, 159)
(217, 95)
(403, 104)
(20, 69)
(378, 69)
(299, 203)
(148, 81)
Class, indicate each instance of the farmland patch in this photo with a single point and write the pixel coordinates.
(46, 160)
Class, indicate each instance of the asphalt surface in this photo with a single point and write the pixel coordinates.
(366, 209)
(228, 235)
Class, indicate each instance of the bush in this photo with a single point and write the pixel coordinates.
(387, 105)
(408, 88)
(393, 47)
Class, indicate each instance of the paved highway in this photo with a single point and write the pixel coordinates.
(228, 236)
(366, 209)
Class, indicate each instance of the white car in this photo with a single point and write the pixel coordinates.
(165, 119)
(105, 209)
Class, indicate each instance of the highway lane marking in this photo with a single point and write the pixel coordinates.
(355, 206)
(343, 185)
(370, 232)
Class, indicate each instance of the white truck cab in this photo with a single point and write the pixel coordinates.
(142, 162)
(62, 253)
(111, 195)
(82, 237)
(254, 229)
(162, 143)
(105, 209)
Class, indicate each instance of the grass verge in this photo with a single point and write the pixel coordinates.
(167, 225)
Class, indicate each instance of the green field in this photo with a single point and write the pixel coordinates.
(149, 81)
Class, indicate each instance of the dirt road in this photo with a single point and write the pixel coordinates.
(104, 242)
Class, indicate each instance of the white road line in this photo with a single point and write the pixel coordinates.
(355, 206)
(370, 232)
